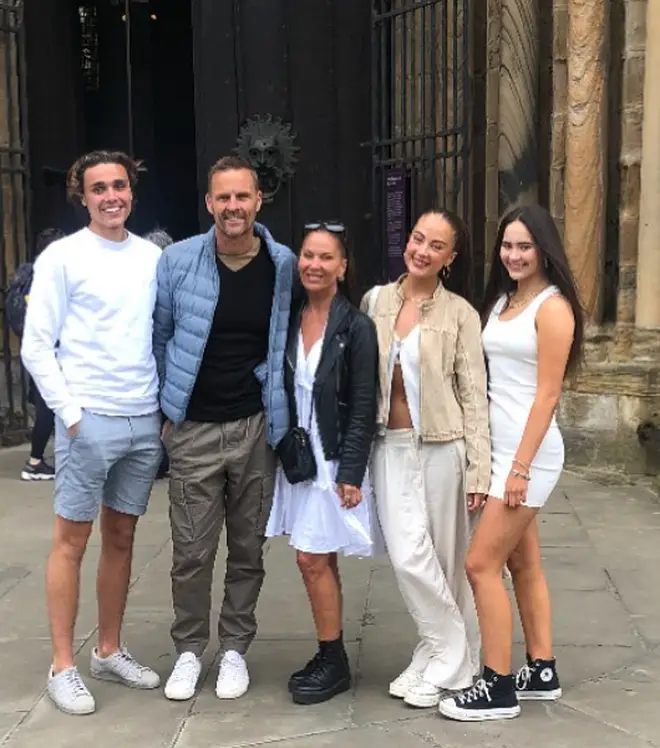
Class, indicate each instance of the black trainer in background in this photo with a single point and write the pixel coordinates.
(538, 681)
(492, 697)
(41, 471)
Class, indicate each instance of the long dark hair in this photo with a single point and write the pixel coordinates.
(556, 268)
(459, 276)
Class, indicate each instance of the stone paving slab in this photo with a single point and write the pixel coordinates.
(601, 550)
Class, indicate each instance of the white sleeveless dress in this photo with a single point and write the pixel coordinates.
(511, 352)
(311, 512)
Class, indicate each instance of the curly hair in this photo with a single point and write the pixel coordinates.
(75, 182)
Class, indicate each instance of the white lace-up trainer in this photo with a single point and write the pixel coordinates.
(400, 686)
(423, 694)
(182, 682)
(233, 677)
(122, 667)
(68, 692)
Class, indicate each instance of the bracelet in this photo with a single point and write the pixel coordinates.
(525, 476)
(521, 463)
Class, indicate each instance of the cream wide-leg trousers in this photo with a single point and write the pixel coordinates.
(422, 508)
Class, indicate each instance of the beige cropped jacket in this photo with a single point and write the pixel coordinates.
(453, 381)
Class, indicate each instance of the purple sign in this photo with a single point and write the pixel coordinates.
(396, 220)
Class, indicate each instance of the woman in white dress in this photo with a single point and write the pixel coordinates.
(331, 377)
(532, 336)
(431, 461)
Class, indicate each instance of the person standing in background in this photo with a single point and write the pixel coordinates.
(36, 468)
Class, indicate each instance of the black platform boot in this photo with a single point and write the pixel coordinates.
(330, 675)
(301, 674)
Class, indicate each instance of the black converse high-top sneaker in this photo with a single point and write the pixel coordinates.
(492, 697)
(538, 681)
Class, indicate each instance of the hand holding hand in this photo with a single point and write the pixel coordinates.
(476, 501)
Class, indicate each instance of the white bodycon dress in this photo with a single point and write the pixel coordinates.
(511, 352)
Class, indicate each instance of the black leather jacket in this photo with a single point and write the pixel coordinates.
(345, 386)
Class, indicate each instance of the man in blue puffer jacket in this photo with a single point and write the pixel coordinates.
(220, 326)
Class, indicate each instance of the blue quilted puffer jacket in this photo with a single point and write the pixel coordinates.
(188, 292)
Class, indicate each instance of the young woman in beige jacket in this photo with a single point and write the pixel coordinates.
(431, 457)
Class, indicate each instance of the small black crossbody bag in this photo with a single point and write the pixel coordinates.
(295, 449)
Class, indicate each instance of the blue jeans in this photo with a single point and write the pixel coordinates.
(112, 460)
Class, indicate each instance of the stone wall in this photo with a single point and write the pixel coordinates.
(610, 412)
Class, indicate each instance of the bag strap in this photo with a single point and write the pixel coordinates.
(293, 405)
(373, 298)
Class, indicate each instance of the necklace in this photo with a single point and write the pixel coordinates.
(416, 299)
(516, 302)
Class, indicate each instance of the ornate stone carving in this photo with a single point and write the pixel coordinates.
(268, 145)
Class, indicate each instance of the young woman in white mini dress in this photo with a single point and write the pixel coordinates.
(331, 375)
(532, 337)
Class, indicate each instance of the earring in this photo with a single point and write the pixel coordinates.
(444, 272)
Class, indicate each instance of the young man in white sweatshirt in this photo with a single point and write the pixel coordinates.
(88, 346)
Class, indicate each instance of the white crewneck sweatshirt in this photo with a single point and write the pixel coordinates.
(96, 297)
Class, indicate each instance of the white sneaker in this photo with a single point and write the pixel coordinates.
(423, 695)
(68, 692)
(122, 667)
(400, 686)
(233, 677)
(182, 682)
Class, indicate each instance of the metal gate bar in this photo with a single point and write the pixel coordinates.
(14, 209)
(420, 114)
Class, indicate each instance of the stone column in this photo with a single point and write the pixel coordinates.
(491, 188)
(586, 132)
(647, 308)
(559, 112)
(518, 99)
(633, 43)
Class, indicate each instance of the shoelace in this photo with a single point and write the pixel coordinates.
(232, 666)
(480, 688)
(74, 682)
(523, 677)
(128, 665)
(185, 670)
(313, 663)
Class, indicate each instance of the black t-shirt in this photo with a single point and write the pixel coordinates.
(226, 388)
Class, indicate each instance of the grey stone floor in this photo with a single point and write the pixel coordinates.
(602, 554)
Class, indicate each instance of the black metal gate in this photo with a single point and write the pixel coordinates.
(14, 209)
(420, 116)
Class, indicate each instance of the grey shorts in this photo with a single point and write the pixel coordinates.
(112, 460)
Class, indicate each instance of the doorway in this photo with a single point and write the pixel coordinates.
(129, 86)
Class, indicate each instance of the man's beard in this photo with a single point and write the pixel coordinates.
(222, 221)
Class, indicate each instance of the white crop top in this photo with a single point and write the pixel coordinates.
(406, 353)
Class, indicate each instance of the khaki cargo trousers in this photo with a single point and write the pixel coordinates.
(220, 474)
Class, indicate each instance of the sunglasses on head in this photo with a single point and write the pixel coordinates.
(333, 227)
